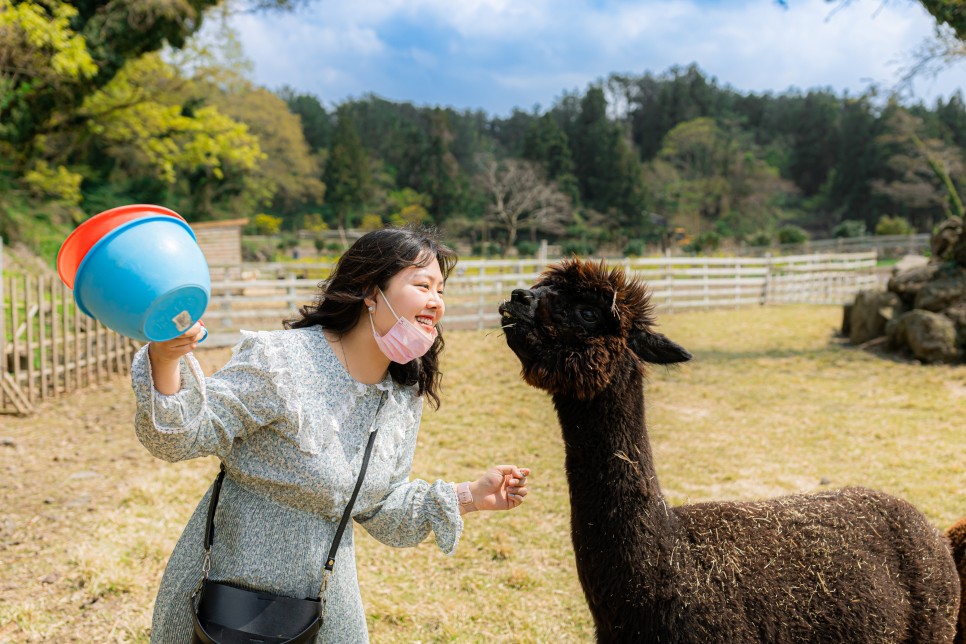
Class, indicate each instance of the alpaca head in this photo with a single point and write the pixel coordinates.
(579, 325)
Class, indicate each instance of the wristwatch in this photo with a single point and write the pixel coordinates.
(465, 496)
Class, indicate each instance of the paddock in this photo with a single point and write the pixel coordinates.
(774, 402)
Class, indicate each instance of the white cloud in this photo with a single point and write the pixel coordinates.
(521, 53)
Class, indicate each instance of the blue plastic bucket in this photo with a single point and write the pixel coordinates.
(146, 279)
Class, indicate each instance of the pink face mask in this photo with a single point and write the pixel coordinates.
(403, 342)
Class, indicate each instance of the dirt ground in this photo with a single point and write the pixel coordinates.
(65, 472)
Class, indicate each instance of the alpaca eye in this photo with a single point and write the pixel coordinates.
(587, 314)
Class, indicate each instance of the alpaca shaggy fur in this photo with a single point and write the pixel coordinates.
(957, 542)
(852, 565)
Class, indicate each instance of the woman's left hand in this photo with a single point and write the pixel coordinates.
(501, 488)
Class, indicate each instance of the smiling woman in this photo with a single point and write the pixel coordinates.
(294, 417)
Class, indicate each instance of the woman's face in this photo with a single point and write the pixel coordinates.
(416, 294)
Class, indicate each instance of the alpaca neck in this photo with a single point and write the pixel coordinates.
(617, 509)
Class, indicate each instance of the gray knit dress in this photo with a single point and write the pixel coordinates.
(290, 425)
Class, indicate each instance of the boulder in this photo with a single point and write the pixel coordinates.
(870, 312)
(907, 284)
(909, 261)
(947, 288)
(957, 313)
(944, 240)
(930, 337)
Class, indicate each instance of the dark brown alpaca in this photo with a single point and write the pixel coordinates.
(957, 542)
(851, 565)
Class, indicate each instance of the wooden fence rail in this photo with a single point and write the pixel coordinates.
(478, 286)
(48, 347)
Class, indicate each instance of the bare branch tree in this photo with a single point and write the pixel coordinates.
(520, 196)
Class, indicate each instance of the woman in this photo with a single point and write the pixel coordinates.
(289, 417)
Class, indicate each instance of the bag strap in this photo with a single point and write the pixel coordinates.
(330, 559)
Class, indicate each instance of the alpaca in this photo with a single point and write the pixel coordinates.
(957, 542)
(853, 565)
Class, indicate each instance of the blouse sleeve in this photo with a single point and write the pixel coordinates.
(207, 414)
(411, 509)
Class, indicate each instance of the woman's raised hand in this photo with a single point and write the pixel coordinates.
(164, 357)
(501, 488)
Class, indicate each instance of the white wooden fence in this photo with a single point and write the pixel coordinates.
(477, 287)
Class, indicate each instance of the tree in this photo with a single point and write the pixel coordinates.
(346, 174)
(289, 176)
(607, 168)
(316, 123)
(150, 122)
(705, 177)
(921, 182)
(102, 33)
(519, 196)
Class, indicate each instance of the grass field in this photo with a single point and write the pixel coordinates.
(773, 403)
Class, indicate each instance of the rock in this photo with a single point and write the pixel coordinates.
(870, 312)
(908, 283)
(957, 313)
(909, 261)
(944, 240)
(846, 320)
(6, 441)
(930, 337)
(944, 290)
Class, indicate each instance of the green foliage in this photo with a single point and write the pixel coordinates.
(314, 222)
(893, 226)
(527, 248)
(287, 242)
(267, 224)
(706, 242)
(760, 238)
(490, 249)
(58, 183)
(634, 248)
(948, 12)
(578, 247)
(792, 235)
(850, 228)
(370, 221)
(346, 173)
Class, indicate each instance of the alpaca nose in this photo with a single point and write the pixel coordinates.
(521, 296)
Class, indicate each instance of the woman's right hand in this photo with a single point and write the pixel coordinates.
(165, 357)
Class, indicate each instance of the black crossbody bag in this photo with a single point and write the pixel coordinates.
(227, 614)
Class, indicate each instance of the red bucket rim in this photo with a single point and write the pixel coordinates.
(83, 246)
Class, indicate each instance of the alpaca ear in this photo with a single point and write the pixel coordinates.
(656, 348)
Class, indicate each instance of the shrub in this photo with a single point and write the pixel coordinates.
(527, 248)
(850, 228)
(371, 222)
(792, 235)
(287, 241)
(578, 247)
(760, 238)
(491, 248)
(314, 222)
(267, 224)
(634, 247)
(893, 226)
(707, 241)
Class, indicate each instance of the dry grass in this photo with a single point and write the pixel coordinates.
(772, 404)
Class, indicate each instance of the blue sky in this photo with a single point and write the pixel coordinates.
(499, 54)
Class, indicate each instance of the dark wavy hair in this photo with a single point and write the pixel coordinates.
(370, 262)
